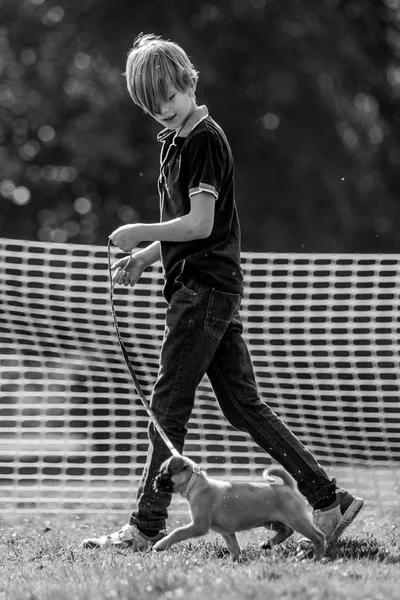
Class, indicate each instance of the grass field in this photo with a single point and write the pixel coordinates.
(40, 559)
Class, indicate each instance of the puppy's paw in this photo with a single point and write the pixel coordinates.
(304, 549)
(159, 546)
(236, 557)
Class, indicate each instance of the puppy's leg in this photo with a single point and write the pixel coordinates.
(301, 522)
(232, 544)
(283, 531)
(182, 533)
(316, 536)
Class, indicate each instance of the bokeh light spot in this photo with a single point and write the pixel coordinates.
(376, 134)
(29, 150)
(58, 235)
(67, 174)
(46, 133)
(28, 57)
(82, 61)
(350, 138)
(21, 196)
(271, 121)
(6, 96)
(71, 228)
(127, 214)
(54, 15)
(7, 188)
(82, 205)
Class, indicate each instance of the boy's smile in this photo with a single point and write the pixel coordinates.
(180, 105)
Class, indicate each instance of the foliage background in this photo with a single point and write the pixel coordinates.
(306, 91)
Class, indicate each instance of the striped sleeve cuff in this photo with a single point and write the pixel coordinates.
(203, 187)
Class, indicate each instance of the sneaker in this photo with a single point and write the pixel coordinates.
(128, 536)
(334, 519)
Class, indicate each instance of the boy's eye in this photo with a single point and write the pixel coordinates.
(172, 96)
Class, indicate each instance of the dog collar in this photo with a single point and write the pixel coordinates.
(193, 477)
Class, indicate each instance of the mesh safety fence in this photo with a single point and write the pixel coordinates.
(323, 331)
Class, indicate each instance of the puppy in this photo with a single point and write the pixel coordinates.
(230, 507)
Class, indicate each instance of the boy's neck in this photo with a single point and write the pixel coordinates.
(191, 112)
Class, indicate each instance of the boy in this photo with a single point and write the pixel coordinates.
(198, 241)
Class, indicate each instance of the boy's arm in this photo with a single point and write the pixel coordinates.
(197, 224)
(150, 254)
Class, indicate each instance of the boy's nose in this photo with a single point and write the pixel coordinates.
(164, 109)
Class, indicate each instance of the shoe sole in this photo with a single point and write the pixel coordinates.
(90, 544)
(93, 543)
(346, 520)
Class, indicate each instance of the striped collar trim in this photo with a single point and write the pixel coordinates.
(199, 115)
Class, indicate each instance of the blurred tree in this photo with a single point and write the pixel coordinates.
(306, 92)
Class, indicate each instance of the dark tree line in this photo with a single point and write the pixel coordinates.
(307, 92)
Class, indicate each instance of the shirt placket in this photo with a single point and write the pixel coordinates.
(163, 185)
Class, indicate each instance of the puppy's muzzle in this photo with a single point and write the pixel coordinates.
(163, 483)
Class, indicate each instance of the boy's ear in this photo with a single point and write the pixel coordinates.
(193, 84)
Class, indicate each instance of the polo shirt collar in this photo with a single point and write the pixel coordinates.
(199, 115)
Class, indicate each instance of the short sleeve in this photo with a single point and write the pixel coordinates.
(206, 164)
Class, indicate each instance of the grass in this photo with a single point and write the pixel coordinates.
(40, 559)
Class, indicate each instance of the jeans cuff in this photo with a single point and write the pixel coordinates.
(322, 492)
(149, 525)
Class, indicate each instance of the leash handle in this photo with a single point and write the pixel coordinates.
(135, 380)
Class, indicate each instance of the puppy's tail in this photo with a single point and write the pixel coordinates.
(280, 472)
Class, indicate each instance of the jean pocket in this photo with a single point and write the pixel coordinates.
(190, 287)
(220, 310)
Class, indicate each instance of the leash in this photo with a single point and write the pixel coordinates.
(135, 380)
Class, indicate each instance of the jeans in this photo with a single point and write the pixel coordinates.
(203, 335)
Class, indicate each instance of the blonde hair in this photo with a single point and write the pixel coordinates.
(152, 65)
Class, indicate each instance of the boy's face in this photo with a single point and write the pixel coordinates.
(179, 107)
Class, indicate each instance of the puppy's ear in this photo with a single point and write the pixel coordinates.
(165, 466)
(176, 464)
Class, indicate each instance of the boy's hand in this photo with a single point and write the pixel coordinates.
(127, 270)
(127, 237)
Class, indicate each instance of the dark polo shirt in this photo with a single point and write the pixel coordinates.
(198, 159)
